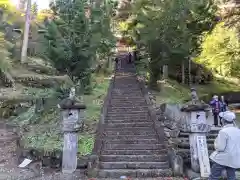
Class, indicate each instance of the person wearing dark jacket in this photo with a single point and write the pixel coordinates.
(223, 107)
(116, 60)
(129, 57)
(216, 108)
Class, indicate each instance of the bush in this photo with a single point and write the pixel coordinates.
(221, 50)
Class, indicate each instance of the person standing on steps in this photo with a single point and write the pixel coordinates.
(223, 104)
(223, 107)
(116, 60)
(216, 108)
(227, 148)
(129, 57)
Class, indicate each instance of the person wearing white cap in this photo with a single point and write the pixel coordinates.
(227, 148)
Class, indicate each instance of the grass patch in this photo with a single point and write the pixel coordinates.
(174, 92)
(94, 104)
(46, 135)
(171, 92)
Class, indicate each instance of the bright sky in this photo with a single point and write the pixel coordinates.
(42, 4)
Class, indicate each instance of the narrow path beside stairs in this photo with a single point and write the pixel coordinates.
(130, 144)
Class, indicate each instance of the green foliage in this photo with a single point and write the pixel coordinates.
(85, 144)
(169, 31)
(5, 63)
(10, 14)
(221, 50)
(34, 9)
(77, 40)
(46, 133)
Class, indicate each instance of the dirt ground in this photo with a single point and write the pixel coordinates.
(9, 165)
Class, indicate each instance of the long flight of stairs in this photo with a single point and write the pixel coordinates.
(130, 144)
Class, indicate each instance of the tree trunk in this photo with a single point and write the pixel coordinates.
(189, 72)
(165, 71)
(155, 74)
(26, 32)
(183, 72)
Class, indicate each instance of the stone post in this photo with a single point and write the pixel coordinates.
(71, 125)
(198, 128)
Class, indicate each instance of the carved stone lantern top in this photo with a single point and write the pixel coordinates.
(69, 103)
(195, 104)
(71, 113)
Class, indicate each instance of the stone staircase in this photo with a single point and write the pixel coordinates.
(130, 145)
(184, 146)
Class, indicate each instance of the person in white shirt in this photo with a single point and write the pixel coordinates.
(227, 148)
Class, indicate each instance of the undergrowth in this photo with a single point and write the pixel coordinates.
(43, 129)
(175, 92)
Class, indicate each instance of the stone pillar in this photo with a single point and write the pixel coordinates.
(197, 139)
(71, 124)
(198, 127)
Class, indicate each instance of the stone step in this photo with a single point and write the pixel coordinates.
(127, 117)
(124, 81)
(129, 133)
(134, 158)
(126, 103)
(136, 141)
(129, 137)
(132, 113)
(185, 145)
(127, 97)
(134, 152)
(134, 165)
(4, 140)
(215, 130)
(125, 89)
(127, 93)
(123, 97)
(186, 140)
(124, 115)
(134, 173)
(126, 109)
(209, 135)
(132, 129)
(185, 153)
(129, 125)
(133, 146)
(128, 120)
